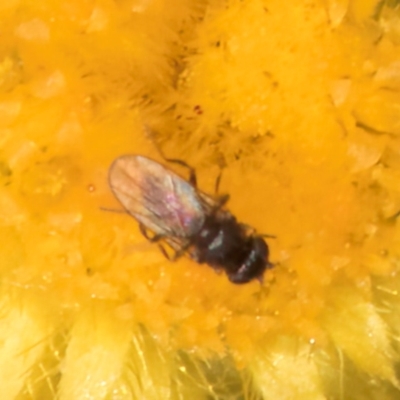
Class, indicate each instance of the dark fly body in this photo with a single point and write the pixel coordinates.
(188, 220)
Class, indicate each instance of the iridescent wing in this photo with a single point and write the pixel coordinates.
(158, 198)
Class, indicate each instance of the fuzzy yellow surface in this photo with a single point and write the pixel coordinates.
(297, 101)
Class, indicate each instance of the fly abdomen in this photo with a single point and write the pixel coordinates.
(254, 265)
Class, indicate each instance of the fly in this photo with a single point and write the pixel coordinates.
(188, 220)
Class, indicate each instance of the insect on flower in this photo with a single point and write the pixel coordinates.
(188, 220)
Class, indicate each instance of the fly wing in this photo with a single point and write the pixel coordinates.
(156, 197)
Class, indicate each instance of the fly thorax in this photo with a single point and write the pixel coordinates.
(221, 241)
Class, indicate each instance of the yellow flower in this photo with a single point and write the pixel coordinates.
(297, 102)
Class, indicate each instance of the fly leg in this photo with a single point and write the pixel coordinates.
(175, 256)
(192, 171)
(251, 231)
(156, 238)
(221, 199)
(218, 181)
(114, 210)
(265, 235)
(152, 239)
